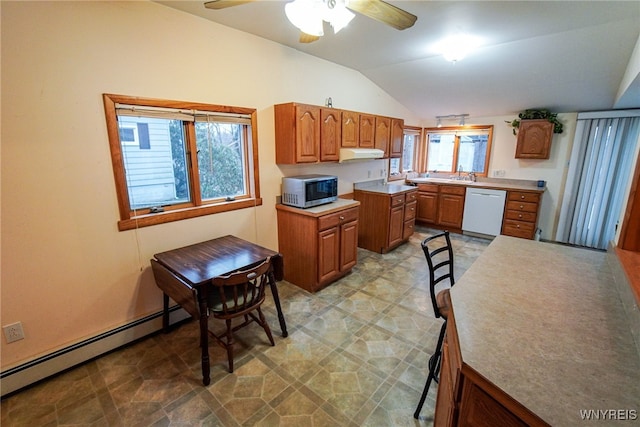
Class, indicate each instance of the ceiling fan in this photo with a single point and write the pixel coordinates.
(333, 11)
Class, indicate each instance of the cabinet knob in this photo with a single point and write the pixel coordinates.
(521, 207)
(522, 197)
(518, 226)
(341, 218)
(519, 215)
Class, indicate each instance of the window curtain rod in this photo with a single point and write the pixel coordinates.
(181, 114)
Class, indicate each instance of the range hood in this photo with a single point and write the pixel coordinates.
(348, 154)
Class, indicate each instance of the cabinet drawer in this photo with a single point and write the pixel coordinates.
(408, 228)
(522, 206)
(397, 200)
(431, 188)
(335, 219)
(523, 196)
(521, 215)
(411, 196)
(518, 229)
(410, 210)
(453, 189)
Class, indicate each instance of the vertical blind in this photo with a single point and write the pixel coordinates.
(599, 171)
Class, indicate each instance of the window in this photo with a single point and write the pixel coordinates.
(399, 168)
(454, 149)
(175, 160)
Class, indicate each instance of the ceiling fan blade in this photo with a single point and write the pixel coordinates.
(221, 4)
(308, 38)
(383, 12)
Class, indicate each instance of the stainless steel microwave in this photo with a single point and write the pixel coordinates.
(305, 191)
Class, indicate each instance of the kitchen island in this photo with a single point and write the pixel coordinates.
(539, 334)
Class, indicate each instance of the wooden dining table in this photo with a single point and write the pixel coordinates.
(183, 274)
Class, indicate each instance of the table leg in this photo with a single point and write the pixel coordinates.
(276, 299)
(204, 337)
(165, 313)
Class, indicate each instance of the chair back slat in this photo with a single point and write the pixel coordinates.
(435, 248)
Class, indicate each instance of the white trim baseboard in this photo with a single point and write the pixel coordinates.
(23, 375)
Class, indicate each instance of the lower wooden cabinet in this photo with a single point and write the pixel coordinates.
(386, 220)
(466, 399)
(427, 208)
(317, 250)
(521, 214)
(441, 205)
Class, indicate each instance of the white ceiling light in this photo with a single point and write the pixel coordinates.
(308, 15)
(456, 47)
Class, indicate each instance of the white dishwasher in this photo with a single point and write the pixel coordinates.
(483, 210)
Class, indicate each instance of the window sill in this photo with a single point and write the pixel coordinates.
(192, 212)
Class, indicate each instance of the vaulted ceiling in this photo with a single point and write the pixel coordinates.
(564, 55)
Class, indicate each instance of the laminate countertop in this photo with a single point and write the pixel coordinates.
(545, 323)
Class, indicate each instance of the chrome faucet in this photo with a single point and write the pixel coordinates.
(459, 171)
(472, 176)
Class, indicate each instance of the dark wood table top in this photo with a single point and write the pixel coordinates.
(200, 262)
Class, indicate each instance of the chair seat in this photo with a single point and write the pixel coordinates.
(443, 302)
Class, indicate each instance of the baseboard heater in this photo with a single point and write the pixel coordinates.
(29, 373)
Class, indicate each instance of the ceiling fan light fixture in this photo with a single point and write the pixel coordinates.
(338, 16)
(304, 14)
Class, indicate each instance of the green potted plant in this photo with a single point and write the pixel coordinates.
(536, 114)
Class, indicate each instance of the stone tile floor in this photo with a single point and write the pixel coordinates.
(356, 355)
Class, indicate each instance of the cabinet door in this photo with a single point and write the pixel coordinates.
(396, 225)
(367, 131)
(383, 134)
(350, 129)
(328, 253)
(534, 139)
(450, 209)
(330, 134)
(445, 401)
(427, 210)
(348, 245)
(397, 137)
(307, 134)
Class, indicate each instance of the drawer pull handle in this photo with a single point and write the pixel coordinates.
(341, 218)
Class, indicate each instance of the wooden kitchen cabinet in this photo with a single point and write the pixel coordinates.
(367, 131)
(307, 133)
(466, 399)
(534, 139)
(330, 134)
(317, 249)
(427, 207)
(521, 214)
(350, 129)
(383, 134)
(397, 138)
(451, 205)
(386, 220)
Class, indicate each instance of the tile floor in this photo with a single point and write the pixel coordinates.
(356, 355)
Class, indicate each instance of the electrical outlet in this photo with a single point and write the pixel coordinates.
(13, 332)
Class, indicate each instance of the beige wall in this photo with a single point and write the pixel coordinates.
(67, 273)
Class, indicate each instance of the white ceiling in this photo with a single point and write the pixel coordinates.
(564, 55)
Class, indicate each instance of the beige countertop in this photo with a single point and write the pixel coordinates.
(493, 183)
(544, 323)
(321, 210)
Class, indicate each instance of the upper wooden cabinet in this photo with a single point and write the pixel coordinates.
(297, 133)
(397, 137)
(383, 134)
(330, 134)
(311, 134)
(367, 131)
(350, 129)
(534, 139)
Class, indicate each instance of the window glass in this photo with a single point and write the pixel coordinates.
(221, 161)
(453, 149)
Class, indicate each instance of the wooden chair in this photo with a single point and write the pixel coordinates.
(239, 294)
(439, 253)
